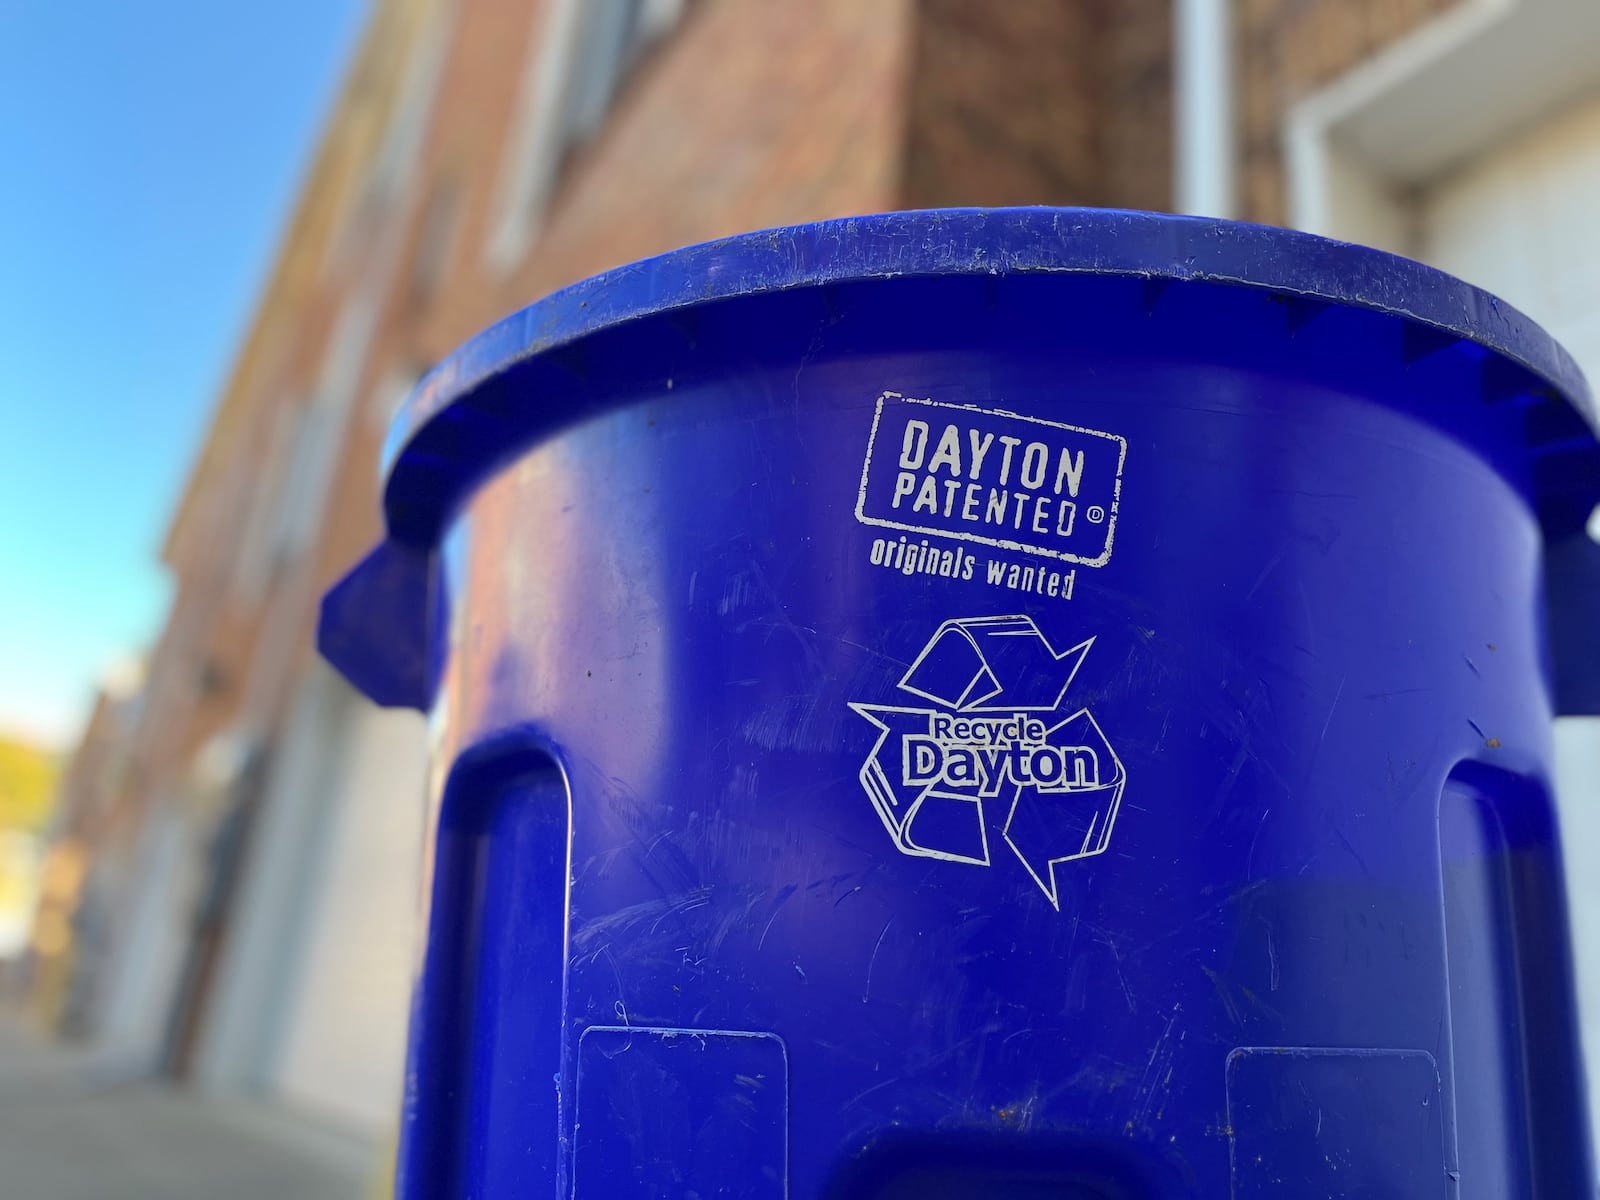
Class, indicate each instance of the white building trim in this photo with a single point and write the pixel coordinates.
(1357, 151)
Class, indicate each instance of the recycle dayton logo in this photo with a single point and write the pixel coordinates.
(994, 742)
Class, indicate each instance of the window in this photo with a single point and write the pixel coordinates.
(392, 390)
(581, 55)
(272, 455)
(394, 162)
(441, 217)
(321, 436)
(614, 34)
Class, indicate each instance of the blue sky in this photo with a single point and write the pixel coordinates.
(150, 155)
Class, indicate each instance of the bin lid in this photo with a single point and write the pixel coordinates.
(457, 425)
(427, 466)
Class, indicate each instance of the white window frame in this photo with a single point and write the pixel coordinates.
(574, 69)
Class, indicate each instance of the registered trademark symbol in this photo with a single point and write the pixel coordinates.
(1096, 514)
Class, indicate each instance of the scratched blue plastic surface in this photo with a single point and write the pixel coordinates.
(1176, 824)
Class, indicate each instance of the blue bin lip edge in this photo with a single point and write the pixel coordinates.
(973, 241)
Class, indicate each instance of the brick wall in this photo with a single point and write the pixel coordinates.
(1039, 102)
(1286, 49)
(753, 115)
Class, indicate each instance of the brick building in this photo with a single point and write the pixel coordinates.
(256, 855)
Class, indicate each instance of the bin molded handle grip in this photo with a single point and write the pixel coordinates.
(381, 625)
(1572, 587)
(378, 626)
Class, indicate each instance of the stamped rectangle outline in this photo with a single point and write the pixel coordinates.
(997, 543)
(665, 1032)
(1447, 1155)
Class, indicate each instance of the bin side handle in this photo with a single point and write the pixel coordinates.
(376, 623)
(1572, 598)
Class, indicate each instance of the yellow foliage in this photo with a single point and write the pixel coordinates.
(28, 778)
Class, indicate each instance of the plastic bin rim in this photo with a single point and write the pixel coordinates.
(950, 242)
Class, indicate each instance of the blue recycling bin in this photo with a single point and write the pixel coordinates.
(1028, 703)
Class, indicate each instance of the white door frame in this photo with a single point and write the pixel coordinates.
(1357, 151)
(281, 881)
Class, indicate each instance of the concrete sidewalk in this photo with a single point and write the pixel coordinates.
(70, 1129)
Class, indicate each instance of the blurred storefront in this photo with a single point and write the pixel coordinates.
(233, 897)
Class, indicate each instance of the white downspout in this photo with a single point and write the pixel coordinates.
(1204, 135)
